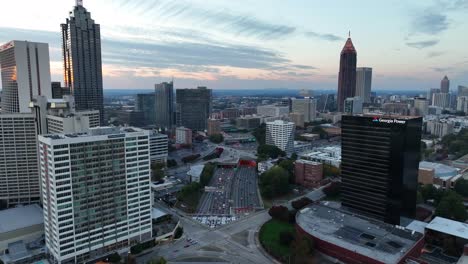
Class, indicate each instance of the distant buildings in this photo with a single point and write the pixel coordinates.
(146, 103)
(281, 134)
(445, 85)
(353, 105)
(19, 169)
(439, 128)
(81, 50)
(248, 122)
(462, 104)
(58, 91)
(272, 110)
(158, 146)
(462, 90)
(231, 113)
(308, 173)
(194, 107)
(364, 83)
(183, 136)
(165, 113)
(421, 105)
(379, 167)
(347, 74)
(25, 68)
(306, 106)
(327, 155)
(441, 100)
(95, 206)
(214, 127)
(297, 119)
(431, 93)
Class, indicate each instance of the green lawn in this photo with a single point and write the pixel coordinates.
(269, 237)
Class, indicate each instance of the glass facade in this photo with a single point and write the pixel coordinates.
(194, 107)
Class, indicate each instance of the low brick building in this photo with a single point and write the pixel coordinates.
(308, 173)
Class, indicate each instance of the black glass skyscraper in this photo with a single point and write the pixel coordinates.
(194, 107)
(164, 105)
(379, 166)
(81, 48)
(347, 74)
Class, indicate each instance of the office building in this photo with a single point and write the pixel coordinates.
(183, 136)
(441, 100)
(214, 127)
(146, 103)
(280, 133)
(421, 105)
(96, 197)
(231, 113)
(439, 128)
(297, 119)
(272, 110)
(248, 122)
(353, 105)
(462, 104)
(347, 74)
(25, 71)
(308, 173)
(165, 113)
(462, 91)
(431, 93)
(379, 165)
(194, 107)
(364, 83)
(81, 52)
(58, 92)
(445, 85)
(159, 147)
(306, 106)
(19, 174)
(59, 116)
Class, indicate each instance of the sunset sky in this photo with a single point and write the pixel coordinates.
(245, 44)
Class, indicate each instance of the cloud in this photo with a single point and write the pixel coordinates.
(422, 44)
(430, 23)
(441, 69)
(327, 37)
(433, 54)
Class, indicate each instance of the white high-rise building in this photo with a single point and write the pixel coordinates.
(364, 83)
(353, 105)
(281, 134)
(421, 105)
(96, 192)
(25, 70)
(462, 104)
(307, 107)
(441, 100)
(439, 129)
(59, 116)
(183, 136)
(158, 147)
(19, 173)
(272, 110)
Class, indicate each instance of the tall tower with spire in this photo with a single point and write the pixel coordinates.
(445, 85)
(81, 51)
(347, 74)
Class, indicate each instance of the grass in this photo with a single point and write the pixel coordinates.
(191, 202)
(270, 238)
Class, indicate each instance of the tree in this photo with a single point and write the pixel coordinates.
(302, 249)
(217, 138)
(259, 134)
(274, 182)
(461, 187)
(160, 260)
(451, 206)
(330, 171)
(280, 213)
(428, 192)
(301, 203)
(288, 165)
(171, 163)
(270, 151)
(286, 238)
(332, 190)
(207, 174)
(294, 156)
(115, 258)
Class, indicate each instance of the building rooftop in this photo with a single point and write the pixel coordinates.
(441, 170)
(448, 226)
(98, 131)
(384, 242)
(308, 162)
(417, 226)
(156, 213)
(20, 217)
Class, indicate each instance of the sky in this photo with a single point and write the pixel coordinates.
(247, 44)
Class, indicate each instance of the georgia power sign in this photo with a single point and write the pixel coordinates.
(388, 120)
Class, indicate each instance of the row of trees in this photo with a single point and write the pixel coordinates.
(274, 182)
(449, 204)
(457, 144)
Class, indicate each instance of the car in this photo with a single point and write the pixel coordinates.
(186, 246)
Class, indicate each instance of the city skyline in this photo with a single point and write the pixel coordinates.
(233, 45)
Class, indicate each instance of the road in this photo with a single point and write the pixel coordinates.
(233, 243)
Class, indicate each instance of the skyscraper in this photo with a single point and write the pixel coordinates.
(81, 51)
(379, 166)
(164, 105)
(19, 173)
(364, 83)
(347, 74)
(441, 100)
(421, 105)
(307, 107)
(146, 104)
(280, 133)
(25, 70)
(194, 107)
(96, 192)
(462, 90)
(445, 85)
(431, 93)
(353, 105)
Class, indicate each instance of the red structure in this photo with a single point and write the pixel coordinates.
(308, 173)
(347, 74)
(248, 163)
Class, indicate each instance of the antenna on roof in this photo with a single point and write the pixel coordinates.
(349, 34)
(79, 2)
